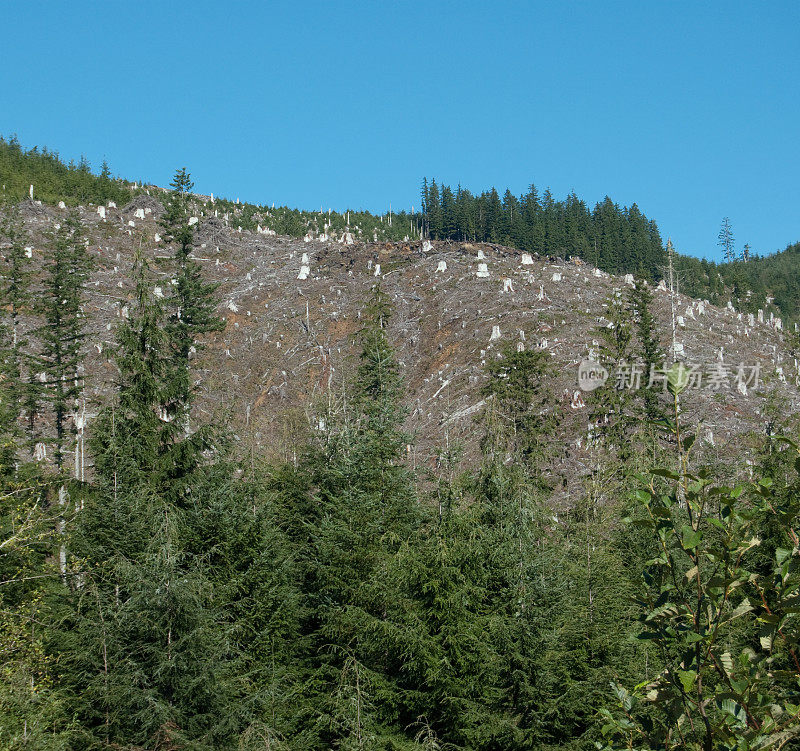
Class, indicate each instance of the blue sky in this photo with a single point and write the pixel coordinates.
(689, 109)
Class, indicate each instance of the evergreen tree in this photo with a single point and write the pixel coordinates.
(192, 303)
(137, 430)
(154, 646)
(433, 210)
(640, 300)
(477, 578)
(30, 712)
(610, 415)
(62, 331)
(522, 406)
(357, 525)
(725, 240)
(15, 295)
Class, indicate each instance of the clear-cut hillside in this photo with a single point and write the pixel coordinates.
(293, 306)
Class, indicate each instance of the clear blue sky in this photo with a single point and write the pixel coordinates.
(689, 109)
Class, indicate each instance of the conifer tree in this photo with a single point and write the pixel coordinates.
(152, 649)
(477, 577)
(62, 331)
(433, 208)
(24, 388)
(725, 240)
(136, 430)
(31, 716)
(61, 336)
(610, 404)
(640, 300)
(15, 280)
(357, 526)
(522, 404)
(192, 303)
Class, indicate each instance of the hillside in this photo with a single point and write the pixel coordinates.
(325, 490)
(292, 309)
(618, 240)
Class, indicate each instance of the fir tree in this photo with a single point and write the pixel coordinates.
(15, 281)
(155, 643)
(62, 331)
(137, 428)
(358, 522)
(521, 405)
(725, 240)
(610, 404)
(192, 303)
(640, 300)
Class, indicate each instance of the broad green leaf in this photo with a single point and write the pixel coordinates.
(663, 472)
(727, 662)
(687, 679)
(691, 538)
(741, 609)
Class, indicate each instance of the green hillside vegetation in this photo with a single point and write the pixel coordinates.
(174, 598)
(747, 284)
(617, 240)
(55, 181)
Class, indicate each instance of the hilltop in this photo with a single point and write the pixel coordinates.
(617, 239)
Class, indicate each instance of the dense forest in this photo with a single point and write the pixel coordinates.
(619, 240)
(159, 592)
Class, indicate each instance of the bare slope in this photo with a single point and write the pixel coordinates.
(293, 307)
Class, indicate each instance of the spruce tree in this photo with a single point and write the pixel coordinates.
(475, 577)
(725, 240)
(15, 295)
(640, 300)
(355, 529)
(155, 643)
(62, 333)
(192, 302)
(31, 716)
(136, 429)
(610, 404)
(16, 277)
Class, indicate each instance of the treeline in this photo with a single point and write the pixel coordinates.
(363, 226)
(176, 598)
(749, 283)
(617, 240)
(53, 180)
